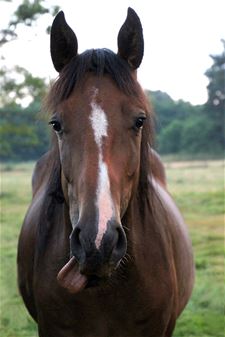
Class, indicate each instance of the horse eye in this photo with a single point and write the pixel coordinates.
(139, 122)
(56, 126)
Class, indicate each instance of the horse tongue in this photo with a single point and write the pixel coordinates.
(70, 278)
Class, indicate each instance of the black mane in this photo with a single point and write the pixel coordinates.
(96, 61)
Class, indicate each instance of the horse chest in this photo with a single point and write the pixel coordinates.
(116, 313)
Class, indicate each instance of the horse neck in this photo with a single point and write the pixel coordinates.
(146, 224)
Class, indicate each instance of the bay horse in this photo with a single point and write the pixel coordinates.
(103, 250)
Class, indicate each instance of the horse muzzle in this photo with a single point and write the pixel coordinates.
(98, 261)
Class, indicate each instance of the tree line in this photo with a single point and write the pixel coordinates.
(186, 129)
(181, 128)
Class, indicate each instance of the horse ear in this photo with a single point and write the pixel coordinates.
(130, 40)
(63, 43)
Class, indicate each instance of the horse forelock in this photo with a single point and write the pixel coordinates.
(94, 61)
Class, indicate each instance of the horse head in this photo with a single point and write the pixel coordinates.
(99, 116)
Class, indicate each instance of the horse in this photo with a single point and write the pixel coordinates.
(103, 250)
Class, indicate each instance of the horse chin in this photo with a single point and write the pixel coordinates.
(95, 281)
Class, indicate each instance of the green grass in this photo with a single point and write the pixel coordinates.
(198, 188)
(15, 197)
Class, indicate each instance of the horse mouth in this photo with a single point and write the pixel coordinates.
(70, 278)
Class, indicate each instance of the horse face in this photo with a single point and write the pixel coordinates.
(99, 132)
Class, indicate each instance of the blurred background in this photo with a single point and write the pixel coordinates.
(183, 73)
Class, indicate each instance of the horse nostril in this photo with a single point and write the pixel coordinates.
(120, 241)
(120, 248)
(75, 244)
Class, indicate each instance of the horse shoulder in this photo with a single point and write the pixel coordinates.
(26, 256)
(28, 238)
(157, 168)
(180, 243)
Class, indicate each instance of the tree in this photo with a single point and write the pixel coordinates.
(215, 106)
(167, 110)
(27, 13)
(19, 86)
(170, 137)
(196, 136)
(23, 134)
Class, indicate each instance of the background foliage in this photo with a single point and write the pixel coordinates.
(181, 127)
(184, 128)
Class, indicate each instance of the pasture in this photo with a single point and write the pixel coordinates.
(198, 188)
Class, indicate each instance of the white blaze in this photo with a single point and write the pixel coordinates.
(99, 124)
(104, 203)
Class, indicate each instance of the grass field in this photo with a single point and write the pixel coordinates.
(198, 188)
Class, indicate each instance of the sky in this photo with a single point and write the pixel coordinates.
(179, 36)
